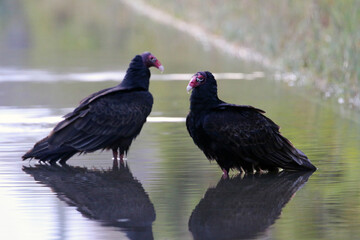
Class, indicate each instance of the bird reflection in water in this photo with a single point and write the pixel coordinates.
(113, 196)
(243, 208)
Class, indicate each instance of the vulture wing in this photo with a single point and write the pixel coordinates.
(251, 136)
(98, 122)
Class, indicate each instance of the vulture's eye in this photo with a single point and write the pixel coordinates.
(199, 79)
(153, 59)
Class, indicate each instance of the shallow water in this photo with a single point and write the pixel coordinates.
(176, 175)
(167, 173)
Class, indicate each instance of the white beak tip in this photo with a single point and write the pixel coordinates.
(189, 88)
(161, 68)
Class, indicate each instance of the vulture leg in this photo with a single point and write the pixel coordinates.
(122, 159)
(225, 173)
(115, 153)
(115, 164)
(122, 154)
(115, 158)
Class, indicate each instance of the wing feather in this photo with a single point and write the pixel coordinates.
(103, 120)
(247, 133)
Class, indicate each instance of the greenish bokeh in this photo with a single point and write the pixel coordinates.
(318, 39)
(94, 36)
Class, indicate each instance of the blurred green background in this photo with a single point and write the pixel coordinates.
(316, 42)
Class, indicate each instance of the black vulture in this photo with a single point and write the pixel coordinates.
(244, 207)
(108, 119)
(113, 197)
(237, 136)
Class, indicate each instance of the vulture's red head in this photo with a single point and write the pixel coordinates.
(151, 61)
(198, 79)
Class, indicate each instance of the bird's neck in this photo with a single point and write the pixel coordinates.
(203, 100)
(137, 75)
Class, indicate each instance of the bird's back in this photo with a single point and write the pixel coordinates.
(119, 115)
(106, 122)
(242, 137)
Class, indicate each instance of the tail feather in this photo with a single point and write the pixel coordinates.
(299, 161)
(287, 158)
(45, 153)
(40, 148)
(305, 162)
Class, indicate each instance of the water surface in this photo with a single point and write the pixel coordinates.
(183, 193)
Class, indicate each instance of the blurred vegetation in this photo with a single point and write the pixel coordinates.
(319, 40)
(65, 34)
(90, 35)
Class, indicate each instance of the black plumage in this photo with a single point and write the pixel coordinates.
(237, 136)
(108, 119)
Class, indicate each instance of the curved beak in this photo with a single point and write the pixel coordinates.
(191, 84)
(158, 65)
(189, 88)
(161, 68)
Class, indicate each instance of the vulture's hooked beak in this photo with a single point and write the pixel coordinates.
(161, 68)
(189, 88)
(191, 84)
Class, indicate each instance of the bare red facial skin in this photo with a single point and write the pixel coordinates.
(151, 61)
(155, 62)
(195, 81)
